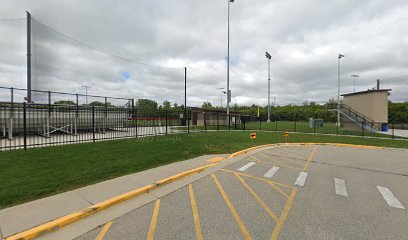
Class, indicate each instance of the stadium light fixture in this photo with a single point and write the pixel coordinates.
(340, 56)
(355, 76)
(268, 56)
(228, 59)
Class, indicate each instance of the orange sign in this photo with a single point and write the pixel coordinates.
(253, 136)
(286, 133)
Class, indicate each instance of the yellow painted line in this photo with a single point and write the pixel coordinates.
(277, 188)
(257, 178)
(284, 215)
(153, 223)
(288, 153)
(103, 232)
(274, 164)
(197, 225)
(280, 164)
(258, 199)
(215, 159)
(306, 167)
(232, 209)
(73, 217)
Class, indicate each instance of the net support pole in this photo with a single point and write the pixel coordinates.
(185, 96)
(28, 57)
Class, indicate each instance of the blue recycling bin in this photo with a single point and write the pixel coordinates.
(384, 127)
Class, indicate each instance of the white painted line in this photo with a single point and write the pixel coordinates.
(390, 198)
(300, 181)
(271, 172)
(340, 186)
(246, 166)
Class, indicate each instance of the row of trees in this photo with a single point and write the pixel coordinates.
(398, 112)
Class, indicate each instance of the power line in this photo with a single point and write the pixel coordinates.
(100, 50)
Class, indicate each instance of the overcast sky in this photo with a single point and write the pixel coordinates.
(304, 38)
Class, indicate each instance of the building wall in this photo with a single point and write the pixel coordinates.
(373, 105)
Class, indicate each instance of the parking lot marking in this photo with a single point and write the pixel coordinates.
(275, 185)
(288, 152)
(391, 200)
(271, 172)
(258, 199)
(276, 162)
(292, 160)
(152, 228)
(340, 186)
(104, 230)
(245, 167)
(284, 215)
(306, 167)
(232, 209)
(197, 225)
(300, 181)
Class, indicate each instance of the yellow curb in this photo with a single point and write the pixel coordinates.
(215, 159)
(73, 217)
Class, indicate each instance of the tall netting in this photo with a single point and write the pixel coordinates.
(64, 64)
(12, 56)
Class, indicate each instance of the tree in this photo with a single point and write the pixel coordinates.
(146, 104)
(99, 104)
(166, 105)
(65, 102)
(207, 105)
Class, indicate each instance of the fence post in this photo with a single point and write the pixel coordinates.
(260, 124)
(244, 126)
(392, 124)
(205, 121)
(93, 123)
(25, 124)
(362, 126)
(229, 122)
(276, 125)
(166, 122)
(135, 118)
(188, 122)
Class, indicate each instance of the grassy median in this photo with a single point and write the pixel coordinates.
(36, 173)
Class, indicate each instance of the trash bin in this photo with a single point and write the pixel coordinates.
(384, 127)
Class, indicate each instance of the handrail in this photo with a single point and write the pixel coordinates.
(362, 116)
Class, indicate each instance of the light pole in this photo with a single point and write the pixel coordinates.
(228, 59)
(338, 88)
(354, 76)
(268, 56)
(86, 92)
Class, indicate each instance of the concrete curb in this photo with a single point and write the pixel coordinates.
(73, 217)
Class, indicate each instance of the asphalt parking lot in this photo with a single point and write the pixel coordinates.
(282, 192)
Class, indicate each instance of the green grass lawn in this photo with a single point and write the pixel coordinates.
(35, 173)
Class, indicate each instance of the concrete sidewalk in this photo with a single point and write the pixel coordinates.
(22, 217)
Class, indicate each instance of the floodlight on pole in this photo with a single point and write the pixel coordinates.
(268, 56)
(355, 76)
(228, 59)
(340, 56)
(86, 92)
(222, 93)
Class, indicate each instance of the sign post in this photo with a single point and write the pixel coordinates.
(252, 135)
(286, 134)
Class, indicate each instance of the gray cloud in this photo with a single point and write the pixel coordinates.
(304, 38)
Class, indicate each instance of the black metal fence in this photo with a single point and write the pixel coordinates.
(26, 125)
(220, 122)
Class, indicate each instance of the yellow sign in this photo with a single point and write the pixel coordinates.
(253, 136)
(286, 133)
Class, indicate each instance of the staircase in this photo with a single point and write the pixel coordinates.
(358, 118)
